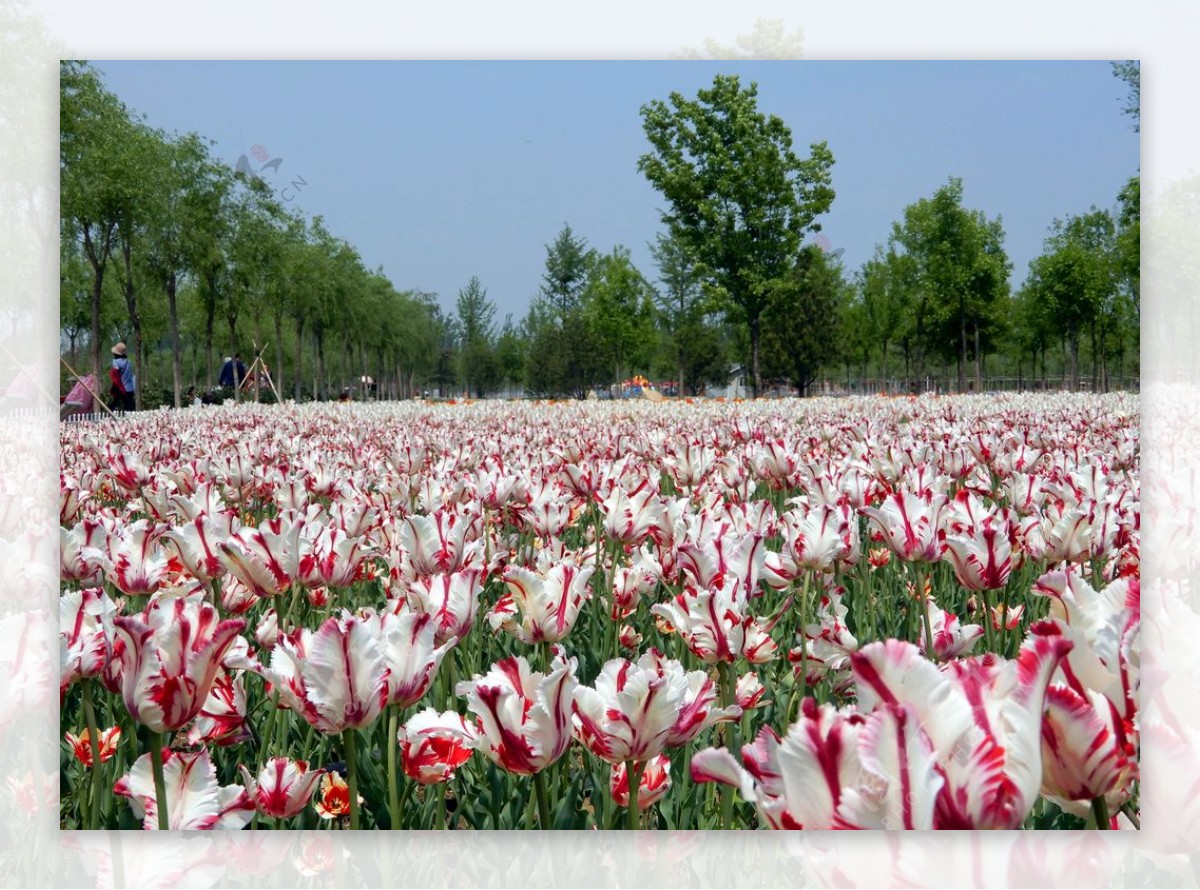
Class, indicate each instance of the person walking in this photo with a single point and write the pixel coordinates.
(124, 382)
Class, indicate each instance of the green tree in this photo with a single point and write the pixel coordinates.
(802, 320)
(476, 315)
(74, 295)
(562, 356)
(1129, 240)
(566, 271)
(695, 345)
(1075, 283)
(618, 304)
(175, 214)
(738, 196)
(208, 247)
(95, 185)
(1131, 73)
(884, 296)
(959, 271)
(511, 348)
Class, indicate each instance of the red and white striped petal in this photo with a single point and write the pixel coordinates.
(652, 787)
(1085, 750)
(900, 781)
(194, 798)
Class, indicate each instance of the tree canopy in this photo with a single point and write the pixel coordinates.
(738, 196)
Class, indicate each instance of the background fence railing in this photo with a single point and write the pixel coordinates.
(901, 386)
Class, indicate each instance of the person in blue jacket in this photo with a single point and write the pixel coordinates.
(124, 382)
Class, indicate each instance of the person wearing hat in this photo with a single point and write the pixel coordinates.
(123, 380)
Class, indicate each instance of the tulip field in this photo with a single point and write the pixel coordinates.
(826, 613)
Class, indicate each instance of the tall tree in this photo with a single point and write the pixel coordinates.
(619, 307)
(680, 302)
(476, 317)
(208, 247)
(142, 153)
(884, 295)
(175, 215)
(738, 196)
(95, 186)
(561, 358)
(802, 320)
(566, 271)
(1075, 281)
(960, 272)
(511, 347)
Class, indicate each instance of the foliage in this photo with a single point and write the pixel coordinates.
(738, 196)
(802, 321)
(480, 368)
(1131, 73)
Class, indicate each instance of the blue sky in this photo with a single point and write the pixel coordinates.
(438, 171)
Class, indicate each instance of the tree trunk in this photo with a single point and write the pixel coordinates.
(176, 353)
(755, 337)
(135, 320)
(277, 371)
(962, 350)
(299, 355)
(233, 351)
(978, 361)
(1103, 361)
(1095, 364)
(140, 351)
(99, 262)
(210, 315)
(319, 380)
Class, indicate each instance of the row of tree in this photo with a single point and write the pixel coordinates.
(187, 258)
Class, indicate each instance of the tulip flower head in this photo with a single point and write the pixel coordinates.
(265, 559)
(197, 544)
(982, 716)
(82, 746)
(222, 718)
(410, 654)
(716, 625)
(195, 799)
(85, 619)
(523, 716)
(982, 556)
(636, 710)
(541, 606)
(333, 801)
(336, 678)
(910, 525)
(283, 787)
(630, 517)
(169, 658)
(434, 544)
(653, 786)
(951, 638)
(452, 600)
(136, 563)
(835, 769)
(433, 745)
